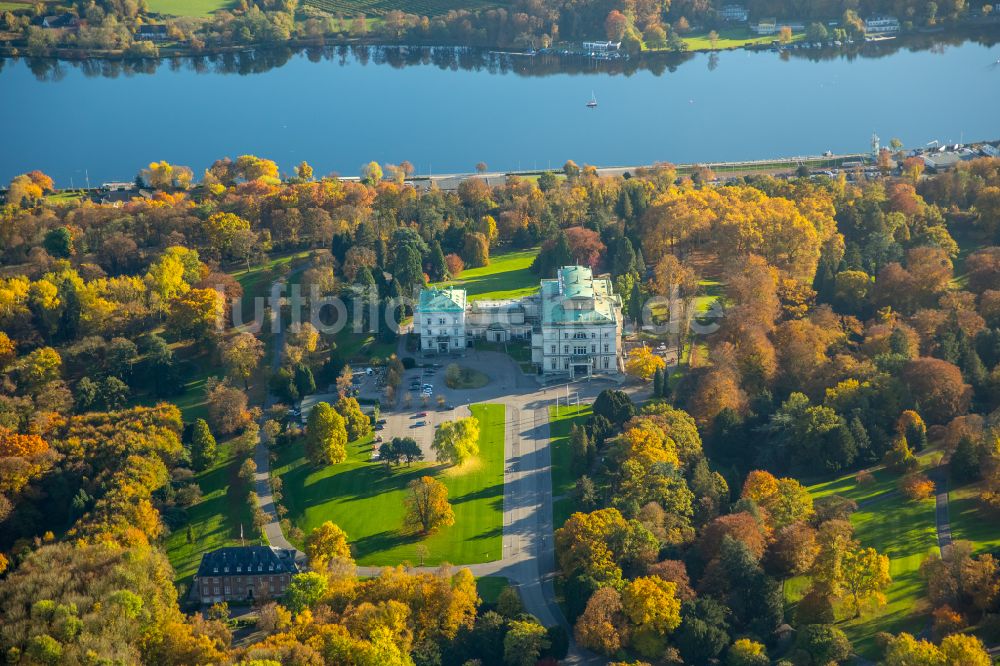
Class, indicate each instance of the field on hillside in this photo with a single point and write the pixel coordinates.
(215, 520)
(895, 526)
(507, 276)
(366, 500)
(195, 8)
(381, 7)
(561, 421)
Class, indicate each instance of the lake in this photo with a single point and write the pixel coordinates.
(340, 108)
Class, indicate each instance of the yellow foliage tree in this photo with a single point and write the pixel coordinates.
(643, 363)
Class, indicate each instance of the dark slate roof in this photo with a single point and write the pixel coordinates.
(244, 560)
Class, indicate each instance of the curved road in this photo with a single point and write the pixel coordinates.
(528, 550)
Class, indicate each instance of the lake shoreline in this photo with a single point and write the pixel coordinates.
(965, 31)
(340, 108)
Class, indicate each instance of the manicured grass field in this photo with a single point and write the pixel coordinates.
(215, 520)
(507, 276)
(381, 7)
(188, 7)
(905, 531)
(257, 281)
(490, 587)
(970, 522)
(561, 420)
(894, 526)
(731, 38)
(367, 501)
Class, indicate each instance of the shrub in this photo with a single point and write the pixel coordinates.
(947, 621)
(916, 486)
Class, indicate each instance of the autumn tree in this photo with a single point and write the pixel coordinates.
(227, 408)
(305, 590)
(456, 442)
(325, 543)
(644, 363)
(427, 506)
(785, 500)
(241, 354)
(602, 627)
(865, 576)
(326, 436)
(938, 387)
(196, 313)
(356, 422)
(524, 643)
(614, 25)
(651, 606)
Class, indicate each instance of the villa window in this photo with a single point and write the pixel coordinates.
(553, 349)
(565, 349)
(441, 321)
(579, 336)
(579, 351)
(606, 348)
(593, 349)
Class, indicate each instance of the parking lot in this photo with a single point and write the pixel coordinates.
(420, 410)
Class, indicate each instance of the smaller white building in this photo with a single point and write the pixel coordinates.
(439, 319)
(601, 47)
(881, 25)
(734, 14)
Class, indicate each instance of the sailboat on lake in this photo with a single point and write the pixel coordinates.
(592, 104)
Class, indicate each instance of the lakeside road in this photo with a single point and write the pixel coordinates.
(451, 181)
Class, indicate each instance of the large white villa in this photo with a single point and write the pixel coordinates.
(574, 323)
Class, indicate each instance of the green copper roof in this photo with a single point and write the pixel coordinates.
(448, 299)
(577, 297)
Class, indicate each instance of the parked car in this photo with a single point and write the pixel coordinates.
(419, 423)
(421, 414)
(379, 426)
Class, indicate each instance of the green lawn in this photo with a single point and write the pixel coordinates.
(507, 276)
(361, 347)
(258, 280)
(969, 522)
(846, 486)
(215, 520)
(561, 420)
(490, 587)
(894, 526)
(367, 501)
(188, 7)
(378, 8)
(730, 38)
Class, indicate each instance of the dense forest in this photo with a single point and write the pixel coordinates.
(860, 327)
(113, 26)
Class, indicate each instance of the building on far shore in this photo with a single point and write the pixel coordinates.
(734, 14)
(439, 319)
(574, 323)
(601, 47)
(244, 574)
(770, 26)
(881, 25)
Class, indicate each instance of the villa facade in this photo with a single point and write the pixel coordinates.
(573, 324)
(439, 319)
